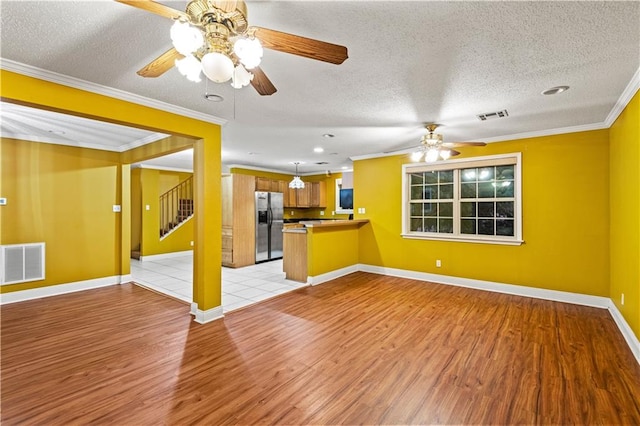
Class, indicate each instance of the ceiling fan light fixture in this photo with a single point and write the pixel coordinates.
(416, 156)
(186, 39)
(217, 67)
(431, 155)
(249, 51)
(445, 154)
(241, 77)
(189, 67)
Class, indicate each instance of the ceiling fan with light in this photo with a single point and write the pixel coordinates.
(214, 37)
(432, 147)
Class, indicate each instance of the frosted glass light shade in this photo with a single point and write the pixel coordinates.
(186, 39)
(249, 51)
(416, 156)
(190, 67)
(217, 67)
(296, 183)
(445, 154)
(432, 155)
(241, 77)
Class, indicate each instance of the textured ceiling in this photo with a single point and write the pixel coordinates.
(409, 63)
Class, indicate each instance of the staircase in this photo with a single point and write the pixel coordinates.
(176, 206)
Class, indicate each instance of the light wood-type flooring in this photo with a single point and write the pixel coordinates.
(363, 349)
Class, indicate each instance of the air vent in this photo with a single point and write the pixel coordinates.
(321, 163)
(21, 263)
(492, 115)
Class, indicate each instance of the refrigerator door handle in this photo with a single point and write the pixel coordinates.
(269, 216)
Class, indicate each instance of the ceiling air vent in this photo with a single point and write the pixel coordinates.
(320, 163)
(492, 115)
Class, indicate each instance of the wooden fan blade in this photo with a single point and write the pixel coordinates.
(261, 82)
(161, 64)
(459, 144)
(157, 8)
(301, 46)
(454, 152)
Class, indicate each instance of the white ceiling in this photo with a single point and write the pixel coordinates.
(409, 63)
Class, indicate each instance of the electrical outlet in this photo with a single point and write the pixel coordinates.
(622, 299)
(321, 213)
(3, 201)
(438, 263)
(148, 207)
(333, 212)
(191, 243)
(292, 212)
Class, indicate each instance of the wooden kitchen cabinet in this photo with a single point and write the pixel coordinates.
(318, 194)
(238, 220)
(270, 185)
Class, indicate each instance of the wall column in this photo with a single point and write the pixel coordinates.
(207, 259)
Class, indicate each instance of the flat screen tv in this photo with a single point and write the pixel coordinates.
(346, 199)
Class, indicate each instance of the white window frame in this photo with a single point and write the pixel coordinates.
(339, 209)
(485, 161)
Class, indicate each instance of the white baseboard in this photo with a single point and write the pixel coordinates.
(203, 317)
(163, 256)
(124, 279)
(517, 290)
(319, 279)
(58, 289)
(626, 331)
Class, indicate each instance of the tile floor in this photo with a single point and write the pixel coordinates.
(240, 287)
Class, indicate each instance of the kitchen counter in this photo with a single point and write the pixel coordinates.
(333, 223)
(314, 248)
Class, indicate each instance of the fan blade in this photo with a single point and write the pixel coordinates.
(161, 64)
(301, 46)
(261, 82)
(157, 8)
(454, 152)
(459, 144)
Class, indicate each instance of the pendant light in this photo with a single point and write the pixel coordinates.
(296, 183)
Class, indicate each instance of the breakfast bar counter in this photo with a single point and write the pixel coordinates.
(312, 248)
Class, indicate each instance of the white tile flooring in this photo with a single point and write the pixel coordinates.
(240, 287)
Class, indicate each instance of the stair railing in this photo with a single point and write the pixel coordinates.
(176, 206)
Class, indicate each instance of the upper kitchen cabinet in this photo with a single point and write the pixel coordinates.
(314, 194)
(270, 185)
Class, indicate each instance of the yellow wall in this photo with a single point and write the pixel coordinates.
(625, 212)
(154, 183)
(62, 196)
(136, 209)
(186, 132)
(329, 249)
(565, 219)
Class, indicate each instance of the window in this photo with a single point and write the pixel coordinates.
(344, 197)
(476, 199)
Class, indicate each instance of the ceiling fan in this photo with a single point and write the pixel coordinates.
(432, 146)
(214, 37)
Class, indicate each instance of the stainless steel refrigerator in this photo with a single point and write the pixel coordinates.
(269, 211)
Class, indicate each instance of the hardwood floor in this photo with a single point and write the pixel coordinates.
(362, 349)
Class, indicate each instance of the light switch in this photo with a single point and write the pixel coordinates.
(147, 207)
(3, 201)
(116, 208)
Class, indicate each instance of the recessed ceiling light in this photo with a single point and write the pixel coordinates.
(213, 97)
(555, 90)
(328, 135)
(318, 149)
(345, 168)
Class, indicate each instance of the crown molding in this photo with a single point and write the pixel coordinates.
(624, 99)
(525, 135)
(76, 83)
(163, 168)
